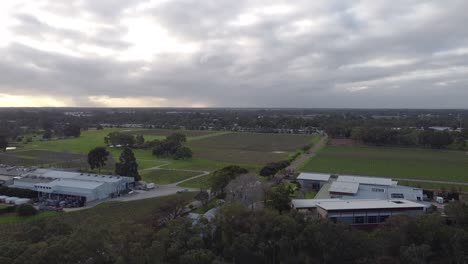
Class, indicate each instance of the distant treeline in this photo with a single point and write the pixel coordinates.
(410, 137)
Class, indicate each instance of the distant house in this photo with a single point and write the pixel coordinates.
(440, 128)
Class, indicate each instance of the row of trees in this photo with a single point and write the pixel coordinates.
(66, 130)
(409, 137)
(274, 167)
(123, 139)
(127, 165)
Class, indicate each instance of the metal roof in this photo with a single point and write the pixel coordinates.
(308, 203)
(367, 180)
(73, 184)
(367, 204)
(79, 176)
(344, 187)
(313, 176)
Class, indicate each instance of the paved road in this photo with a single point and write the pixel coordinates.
(303, 158)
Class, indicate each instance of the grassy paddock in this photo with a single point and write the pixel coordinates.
(392, 162)
(248, 148)
(212, 150)
(163, 176)
(201, 182)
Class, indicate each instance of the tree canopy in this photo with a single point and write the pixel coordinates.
(222, 177)
(118, 138)
(97, 158)
(127, 165)
(172, 147)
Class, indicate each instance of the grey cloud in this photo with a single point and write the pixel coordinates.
(315, 68)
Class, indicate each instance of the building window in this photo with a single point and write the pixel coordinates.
(397, 196)
(383, 218)
(372, 219)
(359, 220)
(378, 190)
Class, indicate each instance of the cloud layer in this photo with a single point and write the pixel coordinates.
(241, 53)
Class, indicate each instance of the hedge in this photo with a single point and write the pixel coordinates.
(16, 192)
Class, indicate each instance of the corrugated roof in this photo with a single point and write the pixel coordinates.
(78, 175)
(308, 203)
(367, 180)
(73, 184)
(313, 176)
(344, 187)
(367, 204)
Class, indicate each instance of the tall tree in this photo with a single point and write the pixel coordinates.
(222, 177)
(97, 158)
(127, 165)
(3, 143)
(279, 197)
(245, 189)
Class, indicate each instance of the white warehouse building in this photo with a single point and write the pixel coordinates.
(57, 185)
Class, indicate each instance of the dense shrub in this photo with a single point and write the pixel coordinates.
(6, 210)
(25, 210)
(16, 192)
(272, 168)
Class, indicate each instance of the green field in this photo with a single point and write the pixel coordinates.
(212, 150)
(163, 176)
(201, 182)
(392, 162)
(248, 148)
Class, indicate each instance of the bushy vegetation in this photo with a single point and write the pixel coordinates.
(172, 147)
(17, 192)
(119, 139)
(25, 210)
(274, 167)
(221, 178)
(153, 232)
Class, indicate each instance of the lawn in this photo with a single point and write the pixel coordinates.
(392, 162)
(163, 176)
(248, 148)
(200, 182)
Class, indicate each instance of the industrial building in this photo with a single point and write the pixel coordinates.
(357, 200)
(364, 213)
(71, 188)
(357, 187)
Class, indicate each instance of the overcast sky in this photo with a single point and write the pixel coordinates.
(234, 53)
